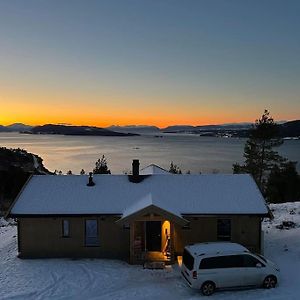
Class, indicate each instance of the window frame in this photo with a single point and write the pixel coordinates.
(64, 235)
(222, 237)
(97, 239)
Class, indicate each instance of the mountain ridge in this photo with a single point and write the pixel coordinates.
(76, 130)
(287, 129)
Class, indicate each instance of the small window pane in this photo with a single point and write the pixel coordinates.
(224, 229)
(250, 261)
(235, 261)
(91, 233)
(66, 228)
(208, 263)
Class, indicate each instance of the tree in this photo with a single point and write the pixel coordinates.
(174, 169)
(101, 166)
(259, 155)
(283, 183)
(82, 172)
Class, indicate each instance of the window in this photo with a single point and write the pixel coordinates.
(250, 261)
(65, 228)
(224, 229)
(188, 259)
(91, 233)
(218, 262)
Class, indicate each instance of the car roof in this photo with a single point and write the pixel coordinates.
(213, 248)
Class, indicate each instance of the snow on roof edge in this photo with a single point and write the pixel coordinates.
(109, 183)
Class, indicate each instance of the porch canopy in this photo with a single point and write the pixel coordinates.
(148, 207)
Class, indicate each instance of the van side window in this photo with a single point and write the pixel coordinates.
(219, 262)
(250, 261)
(224, 229)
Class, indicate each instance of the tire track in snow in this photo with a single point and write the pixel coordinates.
(49, 290)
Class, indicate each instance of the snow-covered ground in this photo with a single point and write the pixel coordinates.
(111, 279)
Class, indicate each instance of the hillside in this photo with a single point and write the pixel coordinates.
(139, 129)
(286, 129)
(290, 129)
(18, 127)
(15, 127)
(4, 129)
(16, 165)
(76, 130)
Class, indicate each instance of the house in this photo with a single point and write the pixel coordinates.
(135, 217)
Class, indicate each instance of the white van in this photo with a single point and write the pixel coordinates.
(210, 266)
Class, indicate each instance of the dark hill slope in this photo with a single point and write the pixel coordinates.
(16, 165)
(76, 130)
(290, 129)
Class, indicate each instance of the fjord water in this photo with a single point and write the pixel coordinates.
(190, 152)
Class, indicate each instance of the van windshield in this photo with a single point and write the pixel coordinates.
(188, 260)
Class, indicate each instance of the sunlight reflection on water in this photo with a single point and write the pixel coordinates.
(205, 154)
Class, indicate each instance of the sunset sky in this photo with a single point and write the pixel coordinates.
(148, 62)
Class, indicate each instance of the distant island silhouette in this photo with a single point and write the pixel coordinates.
(287, 129)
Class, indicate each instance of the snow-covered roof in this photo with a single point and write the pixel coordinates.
(115, 194)
(153, 169)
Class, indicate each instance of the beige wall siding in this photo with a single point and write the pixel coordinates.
(42, 237)
(244, 230)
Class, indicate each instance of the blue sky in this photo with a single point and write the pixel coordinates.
(183, 61)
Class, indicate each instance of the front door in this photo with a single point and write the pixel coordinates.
(153, 235)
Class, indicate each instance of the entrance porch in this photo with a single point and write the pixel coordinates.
(151, 241)
(151, 231)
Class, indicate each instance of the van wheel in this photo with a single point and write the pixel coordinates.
(270, 282)
(208, 288)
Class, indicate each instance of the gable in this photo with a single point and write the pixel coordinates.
(151, 211)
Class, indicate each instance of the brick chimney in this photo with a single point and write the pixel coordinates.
(135, 168)
(135, 177)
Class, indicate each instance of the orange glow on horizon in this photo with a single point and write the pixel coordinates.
(103, 113)
(82, 116)
(160, 122)
(89, 118)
